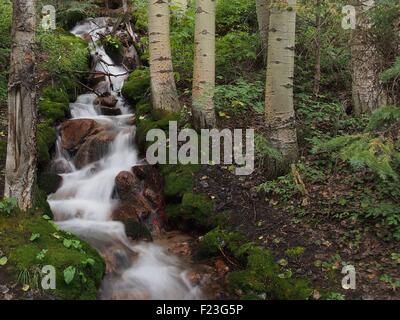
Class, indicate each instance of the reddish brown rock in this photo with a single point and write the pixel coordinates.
(107, 101)
(150, 175)
(74, 132)
(221, 267)
(127, 185)
(194, 278)
(94, 148)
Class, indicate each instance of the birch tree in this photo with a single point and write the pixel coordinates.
(163, 87)
(20, 177)
(279, 110)
(204, 65)
(367, 88)
(262, 8)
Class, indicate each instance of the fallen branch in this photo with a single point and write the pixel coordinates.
(89, 88)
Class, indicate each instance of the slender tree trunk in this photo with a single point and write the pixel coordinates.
(204, 65)
(279, 110)
(262, 7)
(317, 75)
(163, 87)
(21, 148)
(367, 88)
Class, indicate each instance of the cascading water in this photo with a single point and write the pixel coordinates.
(84, 202)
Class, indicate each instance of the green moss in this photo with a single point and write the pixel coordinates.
(137, 85)
(137, 230)
(114, 48)
(46, 138)
(218, 239)
(196, 208)
(49, 181)
(41, 205)
(142, 108)
(53, 111)
(178, 179)
(147, 123)
(295, 251)
(15, 233)
(260, 276)
(3, 150)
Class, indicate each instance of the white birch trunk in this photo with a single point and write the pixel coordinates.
(204, 65)
(279, 110)
(163, 87)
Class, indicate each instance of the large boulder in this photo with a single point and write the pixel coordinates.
(94, 148)
(74, 132)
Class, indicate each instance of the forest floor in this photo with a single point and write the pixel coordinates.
(328, 243)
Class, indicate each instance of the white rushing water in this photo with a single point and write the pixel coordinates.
(84, 203)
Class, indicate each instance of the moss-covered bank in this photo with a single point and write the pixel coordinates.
(31, 241)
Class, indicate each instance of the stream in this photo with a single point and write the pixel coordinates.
(84, 202)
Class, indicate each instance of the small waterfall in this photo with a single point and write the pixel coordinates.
(84, 202)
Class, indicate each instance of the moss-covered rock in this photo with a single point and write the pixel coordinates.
(46, 138)
(147, 123)
(113, 47)
(196, 208)
(52, 247)
(49, 181)
(137, 230)
(137, 86)
(178, 179)
(261, 277)
(53, 104)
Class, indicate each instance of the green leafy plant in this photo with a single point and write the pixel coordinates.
(34, 237)
(69, 274)
(3, 261)
(239, 97)
(8, 205)
(42, 254)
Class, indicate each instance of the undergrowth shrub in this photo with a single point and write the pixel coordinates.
(239, 97)
(236, 55)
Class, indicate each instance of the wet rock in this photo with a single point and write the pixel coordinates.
(129, 214)
(221, 267)
(131, 121)
(97, 78)
(107, 101)
(61, 166)
(131, 58)
(103, 88)
(74, 132)
(127, 185)
(110, 111)
(194, 278)
(150, 175)
(94, 148)
(87, 37)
